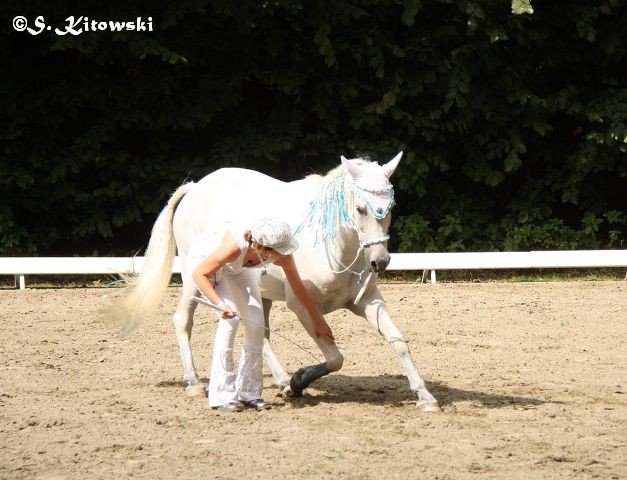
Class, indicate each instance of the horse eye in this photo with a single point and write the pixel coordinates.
(361, 210)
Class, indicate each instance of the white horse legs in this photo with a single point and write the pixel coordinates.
(373, 308)
(303, 377)
(183, 321)
(280, 376)
(296, 383)
(426, 401)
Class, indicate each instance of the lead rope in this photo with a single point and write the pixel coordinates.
(196, 299)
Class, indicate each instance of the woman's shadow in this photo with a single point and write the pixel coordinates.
(393, 390)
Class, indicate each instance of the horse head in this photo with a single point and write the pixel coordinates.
(369, 205)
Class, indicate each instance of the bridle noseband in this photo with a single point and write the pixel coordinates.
(369, 243)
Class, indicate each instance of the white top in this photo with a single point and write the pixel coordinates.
(211, 238)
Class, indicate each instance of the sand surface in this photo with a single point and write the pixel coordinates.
(531, 378)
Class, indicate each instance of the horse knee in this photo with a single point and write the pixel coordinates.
(400, 346)
(182, 323)
(334, 364)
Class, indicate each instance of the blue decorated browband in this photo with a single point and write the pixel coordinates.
(379, 213)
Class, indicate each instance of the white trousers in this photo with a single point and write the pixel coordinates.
(241, 292)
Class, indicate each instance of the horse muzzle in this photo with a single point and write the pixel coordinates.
(377, 253)
(380, 264)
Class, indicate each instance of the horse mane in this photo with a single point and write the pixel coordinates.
(327, 210)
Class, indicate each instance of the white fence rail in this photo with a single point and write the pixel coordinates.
(22, 266)
(508, 260)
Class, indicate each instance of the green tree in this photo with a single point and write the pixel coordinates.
(513, 122)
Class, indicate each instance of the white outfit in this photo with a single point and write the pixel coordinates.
(239, 287)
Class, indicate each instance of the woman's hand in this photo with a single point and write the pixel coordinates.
(203, 274)
(227, 311)
(322, 329)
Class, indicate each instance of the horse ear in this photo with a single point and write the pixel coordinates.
(389, 167)
(351, 167)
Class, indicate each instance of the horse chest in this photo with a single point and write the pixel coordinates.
(336, 292)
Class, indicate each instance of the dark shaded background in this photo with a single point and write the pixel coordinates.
(514, 126)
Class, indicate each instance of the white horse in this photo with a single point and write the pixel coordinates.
(341, 221)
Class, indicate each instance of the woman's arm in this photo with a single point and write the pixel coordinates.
(321, 328)
(212, 263)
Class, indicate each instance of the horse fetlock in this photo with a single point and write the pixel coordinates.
(335, 364)
(284, 382)
(427, 402)
(190, 377)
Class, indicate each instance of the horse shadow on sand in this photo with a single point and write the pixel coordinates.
(387, 389)
(393, 390)
(179, 384)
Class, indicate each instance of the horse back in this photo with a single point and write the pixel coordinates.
(238, 194)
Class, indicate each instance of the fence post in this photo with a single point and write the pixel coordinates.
(21, 281)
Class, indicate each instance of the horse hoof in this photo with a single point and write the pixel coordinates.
(295, 389)
(284, 390)
(288, 392)
(293, 393)
(429, 407)
(196, 390)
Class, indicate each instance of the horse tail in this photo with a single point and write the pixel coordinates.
(145, 291)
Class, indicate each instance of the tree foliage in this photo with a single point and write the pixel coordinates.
(513, 118)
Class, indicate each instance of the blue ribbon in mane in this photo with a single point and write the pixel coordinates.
(327, 212)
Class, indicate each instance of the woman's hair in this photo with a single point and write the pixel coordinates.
(248, 236)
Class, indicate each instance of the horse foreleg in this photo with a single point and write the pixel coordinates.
(280, 376)
(183, 321)
(372, 307)
(304, 376)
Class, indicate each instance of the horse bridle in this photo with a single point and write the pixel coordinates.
(318, 213)
(378, 213)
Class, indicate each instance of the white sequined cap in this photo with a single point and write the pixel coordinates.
(274, 233)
